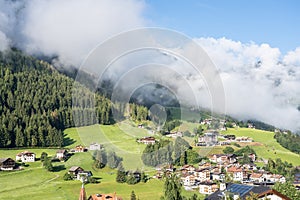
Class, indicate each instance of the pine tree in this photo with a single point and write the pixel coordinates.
(172, 188)
(121, 174)
(44, 156)
(100, 159)
(48, 165)
(132, 196)
(113, 160)
(183, 159)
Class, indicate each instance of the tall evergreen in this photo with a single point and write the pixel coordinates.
(132, 196)
(37, 103)
(121, 174)
(172, 188)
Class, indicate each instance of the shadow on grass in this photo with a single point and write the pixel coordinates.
(94, 180)
(97, 178)
(68, 141)
(58, 168)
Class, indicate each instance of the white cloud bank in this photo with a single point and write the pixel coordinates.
(259, 81)
(68, 29)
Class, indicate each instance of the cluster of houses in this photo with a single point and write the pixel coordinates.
(9, 164)
(63, 154)
(233, 138)
(79, 149)
(211, 138)
(222, 124)
(221, 168)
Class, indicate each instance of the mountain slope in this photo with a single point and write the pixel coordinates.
(36, 103)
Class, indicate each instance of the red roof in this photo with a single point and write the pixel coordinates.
(234, 169)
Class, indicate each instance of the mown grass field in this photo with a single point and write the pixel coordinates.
(34, 182)
(265, 145)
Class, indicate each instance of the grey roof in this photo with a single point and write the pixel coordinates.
(242, 190)
(3, 159)
(61, 151)
(74, 168)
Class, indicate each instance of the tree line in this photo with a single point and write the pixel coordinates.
(288, 140)
(284, 168)
(164, 151)
(38, 103)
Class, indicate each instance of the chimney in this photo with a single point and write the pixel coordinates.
(82, 195)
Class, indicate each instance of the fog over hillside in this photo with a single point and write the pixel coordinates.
(259, 81)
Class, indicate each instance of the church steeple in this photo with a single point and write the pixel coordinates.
(82, 195)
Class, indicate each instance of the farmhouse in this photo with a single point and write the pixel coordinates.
(75, 170)
(7, 164)
(61, 154)
(83, 175)
(104, 197)
(25, 156)
(147, 140)
(79, 148)
(95, 146)
(79, 173)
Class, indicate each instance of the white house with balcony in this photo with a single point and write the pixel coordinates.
(25, 156)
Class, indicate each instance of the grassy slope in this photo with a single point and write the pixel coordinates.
(120, 139)
(36, 183)
(269, 148)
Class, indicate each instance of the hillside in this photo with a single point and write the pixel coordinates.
(265, 145)
(119, 137)
(36, 103)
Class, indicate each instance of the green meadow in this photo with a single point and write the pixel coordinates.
(34, 182)
(265, 145)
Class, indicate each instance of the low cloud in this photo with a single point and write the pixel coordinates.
(260, 83)
(67, 29)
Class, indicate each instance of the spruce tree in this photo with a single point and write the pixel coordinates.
(172, 188)
(132, 196)
(121, 174)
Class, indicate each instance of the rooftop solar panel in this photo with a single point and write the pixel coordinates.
(239, 189)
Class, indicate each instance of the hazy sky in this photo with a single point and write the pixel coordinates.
(276, 22)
